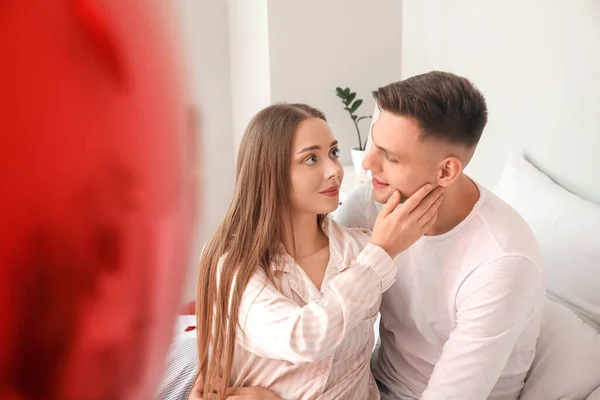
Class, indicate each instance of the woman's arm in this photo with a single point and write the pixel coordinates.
(273, 326)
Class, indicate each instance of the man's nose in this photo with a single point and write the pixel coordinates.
(369, 163)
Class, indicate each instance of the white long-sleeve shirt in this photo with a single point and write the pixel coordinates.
(462, 319)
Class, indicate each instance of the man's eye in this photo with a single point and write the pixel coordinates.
(335, 152)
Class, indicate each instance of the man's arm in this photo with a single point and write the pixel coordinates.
(494, 306)
(241, 393)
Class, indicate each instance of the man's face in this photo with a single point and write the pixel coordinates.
(400, 158)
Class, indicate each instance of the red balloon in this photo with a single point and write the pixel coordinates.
(97, 196)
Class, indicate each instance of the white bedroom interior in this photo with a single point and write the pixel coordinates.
(536, 62)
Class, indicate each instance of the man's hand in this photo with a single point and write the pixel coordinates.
(396, 229)
(242, 393)
(196, 392)
(251, 393)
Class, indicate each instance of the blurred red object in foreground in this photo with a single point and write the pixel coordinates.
(97, 148)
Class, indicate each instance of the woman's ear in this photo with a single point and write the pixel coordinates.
(450, 169)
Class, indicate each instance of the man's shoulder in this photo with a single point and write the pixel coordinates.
(362, 194)
(500, 217)
(506, 229)
(358, 208)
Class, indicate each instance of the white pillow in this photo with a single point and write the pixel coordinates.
(567, 359)
(568, 230)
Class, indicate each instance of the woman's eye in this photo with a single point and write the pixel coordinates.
(311, 160)
(390, 159)
(335, 153)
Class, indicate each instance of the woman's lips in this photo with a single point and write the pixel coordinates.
(331, 192)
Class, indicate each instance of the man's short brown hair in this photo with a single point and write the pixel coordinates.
(446, 106)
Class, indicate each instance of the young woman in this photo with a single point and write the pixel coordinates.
(286, 297)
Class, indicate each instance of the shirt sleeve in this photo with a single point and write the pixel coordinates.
(494, 306)
(273, 326)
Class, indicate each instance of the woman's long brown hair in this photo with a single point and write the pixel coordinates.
(249, 235)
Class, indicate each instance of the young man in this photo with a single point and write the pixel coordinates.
(462, 319)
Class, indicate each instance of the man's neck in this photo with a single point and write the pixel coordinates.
(459, 200)
(308, 236)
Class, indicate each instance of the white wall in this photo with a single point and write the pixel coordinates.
(537, 62)
(250, 72)
(205, 35)
(300, 51)
(316, 45)
(243, 55)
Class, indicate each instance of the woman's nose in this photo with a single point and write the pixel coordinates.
(335, 170)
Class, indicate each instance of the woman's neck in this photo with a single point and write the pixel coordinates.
(307, 235)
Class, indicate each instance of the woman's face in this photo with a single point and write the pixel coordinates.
(315, 171)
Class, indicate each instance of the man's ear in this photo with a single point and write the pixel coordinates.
(449, 169)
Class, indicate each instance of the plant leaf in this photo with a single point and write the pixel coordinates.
(350, 98)
(339, 90)
(354, 117)
(356, 104)
(347, 92)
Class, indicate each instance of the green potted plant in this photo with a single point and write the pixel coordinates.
(351, 104)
